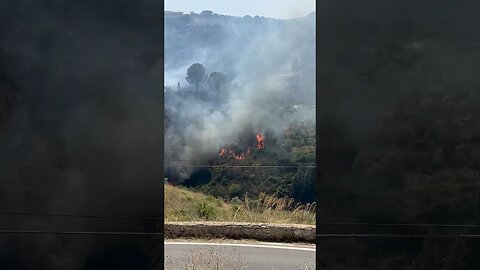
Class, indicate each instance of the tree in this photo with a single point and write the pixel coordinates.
(216, 81)
(195, 74)
(303, 188)
(206, 13)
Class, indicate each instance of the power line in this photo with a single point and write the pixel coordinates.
(399, 224)
(78, 232)
(317, 224)
(280, 163)
(162, 234)
(77, 216)
(401, 235)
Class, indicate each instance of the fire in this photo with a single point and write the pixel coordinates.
(260, 139)
(240, 156)
(229, 153)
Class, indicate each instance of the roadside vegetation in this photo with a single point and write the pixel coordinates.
(182, 204)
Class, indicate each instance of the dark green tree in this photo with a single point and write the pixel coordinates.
(206, 13)
(195, 74)
(216, 81)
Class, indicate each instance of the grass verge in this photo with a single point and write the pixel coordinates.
(185, 205)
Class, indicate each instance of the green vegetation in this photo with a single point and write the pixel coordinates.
(292, 175)
(182, 204)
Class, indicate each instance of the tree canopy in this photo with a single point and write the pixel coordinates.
(195, 74)
(216, 81)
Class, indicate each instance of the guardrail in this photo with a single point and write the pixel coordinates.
(234, 230)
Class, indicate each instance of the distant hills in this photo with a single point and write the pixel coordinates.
(217, 40)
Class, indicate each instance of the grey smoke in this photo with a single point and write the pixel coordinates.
(270, 66)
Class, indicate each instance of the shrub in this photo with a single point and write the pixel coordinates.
(205, 211)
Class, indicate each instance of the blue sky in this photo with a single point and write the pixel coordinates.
(281, 9)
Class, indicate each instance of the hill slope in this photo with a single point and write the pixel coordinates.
(182, 204)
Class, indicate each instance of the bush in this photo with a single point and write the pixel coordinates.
(235, 201)
(205, 211)
(234, 190)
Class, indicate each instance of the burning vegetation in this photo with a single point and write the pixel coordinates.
(260, 138)
(229, 153)
(240, 153)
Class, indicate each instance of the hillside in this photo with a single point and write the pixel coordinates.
(220, 40)
(226, 82)
(288, 170)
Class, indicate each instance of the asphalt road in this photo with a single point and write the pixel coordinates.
(233, 255)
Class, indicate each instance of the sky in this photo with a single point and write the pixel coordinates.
(279, 9)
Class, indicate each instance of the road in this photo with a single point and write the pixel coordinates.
(232, 255)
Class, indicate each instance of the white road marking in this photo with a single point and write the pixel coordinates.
(238, 245)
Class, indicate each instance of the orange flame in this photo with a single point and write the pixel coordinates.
(231, 154)
(226, 152)
(240, 156)
(260, 139)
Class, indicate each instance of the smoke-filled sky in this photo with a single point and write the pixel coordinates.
(284, 9)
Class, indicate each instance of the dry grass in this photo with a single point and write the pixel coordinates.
(209, 258)
(270, 209)
(185, 205)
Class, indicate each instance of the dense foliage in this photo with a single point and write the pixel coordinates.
(292, 171)
(285, 168)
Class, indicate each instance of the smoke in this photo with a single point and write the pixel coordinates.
(269, 65)
(82, 132)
